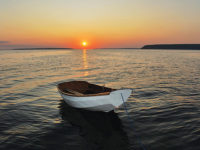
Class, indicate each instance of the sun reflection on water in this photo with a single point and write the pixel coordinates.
(85, 62)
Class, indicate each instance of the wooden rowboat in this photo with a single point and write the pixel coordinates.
(81, 94)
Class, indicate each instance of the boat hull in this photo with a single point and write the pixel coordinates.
(103, 103)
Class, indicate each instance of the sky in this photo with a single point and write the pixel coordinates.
(101, 23)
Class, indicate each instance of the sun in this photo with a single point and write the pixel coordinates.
(84, 43)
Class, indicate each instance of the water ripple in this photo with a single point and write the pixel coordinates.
(164, 107)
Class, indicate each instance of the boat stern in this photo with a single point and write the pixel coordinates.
(120, 96)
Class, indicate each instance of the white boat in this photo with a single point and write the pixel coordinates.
(84, 95)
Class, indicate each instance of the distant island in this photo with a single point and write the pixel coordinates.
(39, 48)
(173, 46)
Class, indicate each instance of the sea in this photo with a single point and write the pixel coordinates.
(163, 112)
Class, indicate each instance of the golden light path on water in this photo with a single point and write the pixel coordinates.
(165, 98)
(85, 62)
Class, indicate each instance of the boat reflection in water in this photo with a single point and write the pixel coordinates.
(100, 130)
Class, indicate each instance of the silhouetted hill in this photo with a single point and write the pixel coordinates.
(173, 46)
(39, 48)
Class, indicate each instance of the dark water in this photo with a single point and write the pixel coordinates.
(164, 108)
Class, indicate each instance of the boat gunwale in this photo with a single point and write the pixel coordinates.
(84, 95)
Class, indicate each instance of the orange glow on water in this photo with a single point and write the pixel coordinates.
(85, 62)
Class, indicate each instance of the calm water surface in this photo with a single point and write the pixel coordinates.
(164, 108)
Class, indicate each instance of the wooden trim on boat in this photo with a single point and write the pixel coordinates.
(83, 95)
(80, 88)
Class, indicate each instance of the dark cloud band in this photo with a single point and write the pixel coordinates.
(4, 42)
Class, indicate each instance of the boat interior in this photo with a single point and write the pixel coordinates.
(83, 88)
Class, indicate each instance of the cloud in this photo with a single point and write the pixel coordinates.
(4, 42)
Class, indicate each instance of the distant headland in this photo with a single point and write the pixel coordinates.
(40, 48)
(173, 46)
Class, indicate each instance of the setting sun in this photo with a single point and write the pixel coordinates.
(84, 43)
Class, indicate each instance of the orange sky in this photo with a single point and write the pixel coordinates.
(102, 23)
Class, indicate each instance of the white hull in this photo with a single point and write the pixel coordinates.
(103, 103)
